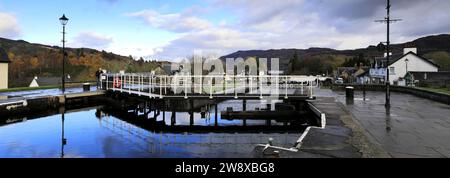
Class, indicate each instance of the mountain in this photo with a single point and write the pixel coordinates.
(323, 60)
(29, 60)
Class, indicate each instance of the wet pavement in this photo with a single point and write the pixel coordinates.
(342, 137)
(415, 127)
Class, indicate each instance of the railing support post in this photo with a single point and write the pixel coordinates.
(185, 87)
(286, 85)
(165, 85)
(235, 88)
(160, 88)
(251, 84)
(107, 77)
(260, 87)
(139, 85)
(121, 83)
(211, 88)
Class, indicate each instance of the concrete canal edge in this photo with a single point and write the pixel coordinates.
(21, 106)
(340, 136)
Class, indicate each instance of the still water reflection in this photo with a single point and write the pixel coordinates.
(94, 133)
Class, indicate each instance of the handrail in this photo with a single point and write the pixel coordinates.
(208, 85)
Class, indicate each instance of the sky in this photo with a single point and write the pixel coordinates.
(174, 29)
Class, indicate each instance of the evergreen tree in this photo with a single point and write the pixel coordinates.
(294, 62)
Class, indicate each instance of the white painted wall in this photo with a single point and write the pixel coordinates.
(3, 75)
(407, 50)
(415, 64)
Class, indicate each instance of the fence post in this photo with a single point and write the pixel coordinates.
(139, 85)
(235, 89)
(107, 87)
(260, 87)
(301, 86)
(251, 84)
(150, 86)
(121, 83)
(201, 84)
(211, 88)
(286, 85)
(185, 87)
(165, 85)
(226, 85)
(160, 88)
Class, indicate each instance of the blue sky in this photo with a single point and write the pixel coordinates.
(171, 29)
(39, 23)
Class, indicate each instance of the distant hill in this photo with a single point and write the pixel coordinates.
(436, 48)
(29, 60)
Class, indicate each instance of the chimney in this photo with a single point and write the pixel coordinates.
(407, 50)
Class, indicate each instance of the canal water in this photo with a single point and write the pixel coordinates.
(95, 133)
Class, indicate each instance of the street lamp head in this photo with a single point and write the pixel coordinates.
(381, 47)
(64, 20)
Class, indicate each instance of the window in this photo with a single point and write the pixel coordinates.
(391, 70)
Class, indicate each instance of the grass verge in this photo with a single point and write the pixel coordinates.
(438, 90)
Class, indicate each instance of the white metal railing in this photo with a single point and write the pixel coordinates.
(163, 86)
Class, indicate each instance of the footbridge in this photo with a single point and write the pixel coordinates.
(292, 87)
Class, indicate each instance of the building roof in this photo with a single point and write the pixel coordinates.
(394, 58)
(350, 70)
(353, 70)
(4, 56)
(364, 73)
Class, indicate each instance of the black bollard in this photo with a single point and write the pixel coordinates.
(350, 95)
(364, 92)
(86, 87)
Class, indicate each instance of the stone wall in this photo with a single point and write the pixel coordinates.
(439, 97)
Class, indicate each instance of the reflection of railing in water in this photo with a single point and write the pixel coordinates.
(118, 126)
(237, 86)
(156, 142)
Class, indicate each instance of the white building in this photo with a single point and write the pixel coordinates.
(4, 62)
(399, 66)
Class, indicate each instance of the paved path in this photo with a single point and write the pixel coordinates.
(342, 137)
(415, 127)
(44, 92)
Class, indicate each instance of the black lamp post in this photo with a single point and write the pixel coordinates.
(388, 21)
(64, 21)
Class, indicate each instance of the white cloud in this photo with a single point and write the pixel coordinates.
(177, 22)
(9, 26)
(134, 49)
(264, 24)
(92, 40)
